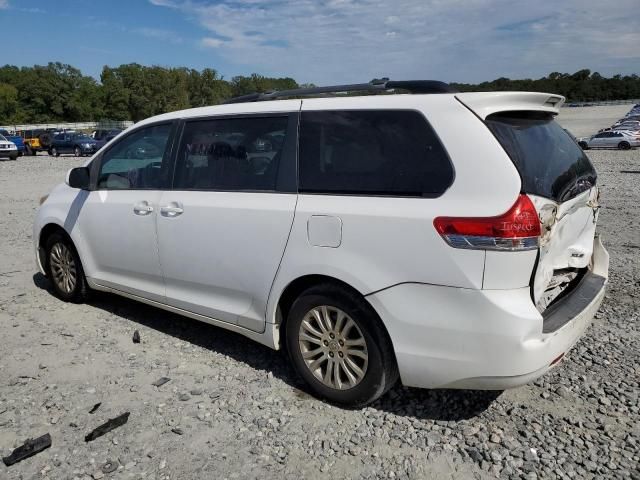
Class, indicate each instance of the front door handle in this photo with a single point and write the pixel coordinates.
(172, 210)
(142, 208)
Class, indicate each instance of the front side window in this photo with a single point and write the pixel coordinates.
(372, 152)
(231, 154)
(138, 162)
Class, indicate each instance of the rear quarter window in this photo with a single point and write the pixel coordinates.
(549, 161)
(371, 152)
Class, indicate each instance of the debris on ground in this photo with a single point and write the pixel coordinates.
(136, 337)
(28, 449)
(161, 381)
(106, 427)
(109, 466)
(95, 407)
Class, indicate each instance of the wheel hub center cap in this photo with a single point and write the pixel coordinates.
(333, 346)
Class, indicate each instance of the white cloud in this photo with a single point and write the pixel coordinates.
(211, 42)
(327, 41)
(164, 3)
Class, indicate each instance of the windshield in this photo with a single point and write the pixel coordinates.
(82, 136)
(550, 162)
(2, 139)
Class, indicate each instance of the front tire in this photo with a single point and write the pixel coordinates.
(55, 152)
(583, 145)
(624, 145)
(64, 269)
(77, 152)
(337, 345)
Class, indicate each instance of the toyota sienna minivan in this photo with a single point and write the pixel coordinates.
(444, 239)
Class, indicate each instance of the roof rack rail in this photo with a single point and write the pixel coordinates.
(413, 86)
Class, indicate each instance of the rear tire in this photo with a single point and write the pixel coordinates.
(55, 152)
(348, 359)
(624, 145)
(583, 145)
(64, 269)
(27, 150)
(45, 140)
(77, 152)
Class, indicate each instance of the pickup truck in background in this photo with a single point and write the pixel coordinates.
(16, 139)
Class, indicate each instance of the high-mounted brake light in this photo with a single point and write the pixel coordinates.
(517, 229)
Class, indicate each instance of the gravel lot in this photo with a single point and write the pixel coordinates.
(584, 121)
(234, 409)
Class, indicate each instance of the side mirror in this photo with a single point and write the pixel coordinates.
(78, 178)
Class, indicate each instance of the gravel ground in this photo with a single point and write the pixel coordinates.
(585, 121)
(234, 409)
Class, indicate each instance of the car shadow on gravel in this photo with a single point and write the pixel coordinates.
(442, 405)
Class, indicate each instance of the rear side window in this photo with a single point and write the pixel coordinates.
(371, 152)
(550, 163)
(231, 154)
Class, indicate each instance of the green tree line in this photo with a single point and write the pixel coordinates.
(582, 86)
(61, 93)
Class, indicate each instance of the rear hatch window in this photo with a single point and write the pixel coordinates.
(550, 162)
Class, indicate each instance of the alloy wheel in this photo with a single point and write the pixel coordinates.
(63, 267)
(333, 347)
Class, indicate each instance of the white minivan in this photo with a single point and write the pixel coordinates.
(446, 239)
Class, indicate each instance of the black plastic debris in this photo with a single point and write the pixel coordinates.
(177, 430)
(107, 427)
(95, 407)
(110, 466)
(28, 449)
(136, 337)
(161, 381)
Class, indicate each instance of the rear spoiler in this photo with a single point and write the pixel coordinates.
(484, 104)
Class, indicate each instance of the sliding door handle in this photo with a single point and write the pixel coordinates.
(142, 208)
(171, 210)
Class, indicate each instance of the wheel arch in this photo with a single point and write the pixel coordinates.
(297, 286)
(48, 230)
(45, 232)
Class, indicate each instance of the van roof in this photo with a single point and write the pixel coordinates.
(382, 85)
(482, 104)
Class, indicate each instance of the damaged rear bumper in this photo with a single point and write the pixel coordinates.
(484, 339)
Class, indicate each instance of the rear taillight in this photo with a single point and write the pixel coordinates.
(517, 229)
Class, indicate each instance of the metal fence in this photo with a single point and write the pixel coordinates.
(102, 125)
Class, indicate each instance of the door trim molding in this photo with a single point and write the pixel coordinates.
(266, 337)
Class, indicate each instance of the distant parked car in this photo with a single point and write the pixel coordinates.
(101, 134)
(102, 137)
(37, 140)
(8, 149)
(628, 126)
(612, 139)
(15, 139)
(78, 144)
